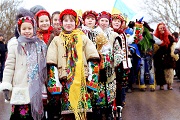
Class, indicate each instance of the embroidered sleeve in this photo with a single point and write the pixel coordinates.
(93, 74)
(54, 86)
(118, 53)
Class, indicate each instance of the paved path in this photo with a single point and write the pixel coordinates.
(158, 105)
(5, 108)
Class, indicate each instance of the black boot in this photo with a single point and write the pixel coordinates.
(109, 113)
(119, 113)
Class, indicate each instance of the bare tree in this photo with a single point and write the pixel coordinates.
(167, 11)
(8, 13)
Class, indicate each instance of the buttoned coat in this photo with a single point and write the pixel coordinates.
(57, 54)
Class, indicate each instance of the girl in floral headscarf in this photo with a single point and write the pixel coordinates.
(111, 56)
(44, 28)
(70, 52)
(121, 71)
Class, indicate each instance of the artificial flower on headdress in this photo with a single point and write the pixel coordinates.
(22, 12)
(104, 14)
(117, 16)
(89, 13)
(25, 19)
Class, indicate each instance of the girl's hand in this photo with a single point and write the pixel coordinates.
(6, 94)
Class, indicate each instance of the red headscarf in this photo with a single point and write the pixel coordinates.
(105, 14)
(164, 36)
(44, 34)
(40, 13)
(68, 12)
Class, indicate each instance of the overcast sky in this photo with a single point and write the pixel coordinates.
(97, 5)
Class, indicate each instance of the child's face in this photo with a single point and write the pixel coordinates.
(90, 21)
(55, 21)
(103, 23)
(116, 23)
(44, 22)
(68, 23)
(26, 29)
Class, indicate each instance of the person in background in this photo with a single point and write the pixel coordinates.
(56, 23)
(164, 58)
(44, 32)
(177, 69)
(176, 36)
(44, 28)
(3, 51)
(90, 20)
(47, 32)
(135, 56)
(80, 22)
(147, 65)
(70, 52)
(36, 8)
(111, 56)
(123, 24)
(27, 55)
(122, 72)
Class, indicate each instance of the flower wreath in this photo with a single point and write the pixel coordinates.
(104, 13)
(91, 12)
(117, 16)
(25, 19)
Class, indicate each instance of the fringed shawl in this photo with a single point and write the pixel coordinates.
(76, 81)
(35, 50)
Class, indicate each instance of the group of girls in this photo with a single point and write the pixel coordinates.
(70, 66)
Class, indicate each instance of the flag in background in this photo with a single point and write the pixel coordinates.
(79, 12)
(121, 8)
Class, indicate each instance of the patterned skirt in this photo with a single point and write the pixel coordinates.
(21, 112)
(65, 105)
